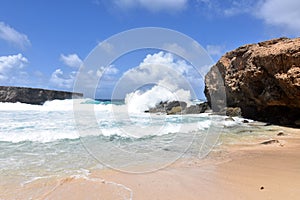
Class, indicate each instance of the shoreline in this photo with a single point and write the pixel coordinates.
(244, 170)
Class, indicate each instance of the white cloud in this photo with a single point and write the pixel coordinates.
(10, 35)
(105, 71)
(11, 66)
(60, 80)
(71, 60)
(160, 68)
(157, 67)
(102, 78)
(153, 5)
(284, 14)
(88, 78)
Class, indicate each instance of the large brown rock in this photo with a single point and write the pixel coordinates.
(33, 95)
(262, 79)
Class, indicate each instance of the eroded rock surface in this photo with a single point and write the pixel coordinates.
(262, 79)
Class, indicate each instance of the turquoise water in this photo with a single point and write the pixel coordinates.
(45, 141)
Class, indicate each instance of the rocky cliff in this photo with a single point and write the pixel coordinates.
(262, 79)
(33, 95)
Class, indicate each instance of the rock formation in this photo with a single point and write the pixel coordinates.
(262, 79)
(196, 109)
(178, 107)
(175, 107)
(33, 95)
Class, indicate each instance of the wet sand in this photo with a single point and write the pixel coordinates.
(247, 170)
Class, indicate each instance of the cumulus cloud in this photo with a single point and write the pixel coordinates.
(161, 69)
(284, 14)
(12, 36)
(60, 80)
(101, 79)
(157, 67)
(105, 71)
(153, 5)
(88, 78)
(71, 60)
(11, 66)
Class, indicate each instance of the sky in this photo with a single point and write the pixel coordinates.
(44, 43)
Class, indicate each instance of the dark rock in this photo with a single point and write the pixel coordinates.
(193, 109)
(170, 105)
(270, 142)
(178, 107)
(245, 121)
(230, 111)
(33, 95)
(173, 107)
(175, 110)
(233, 112)
(281, 133)
(196, 109)
(262, 79)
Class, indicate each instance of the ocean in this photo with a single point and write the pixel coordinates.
(65, 138)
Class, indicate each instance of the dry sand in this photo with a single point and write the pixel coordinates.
(248, 170)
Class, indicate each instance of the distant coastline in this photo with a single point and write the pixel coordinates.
(36, 96)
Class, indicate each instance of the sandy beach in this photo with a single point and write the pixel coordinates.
(244, 170)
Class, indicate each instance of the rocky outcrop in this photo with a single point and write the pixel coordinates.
(178, 107)
(262, 79)
(33, 95)
(171, 108)
(196, 109)
(175, 107)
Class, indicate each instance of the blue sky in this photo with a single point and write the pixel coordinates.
(43, 43)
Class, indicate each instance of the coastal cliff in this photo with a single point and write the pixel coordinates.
(35, 96)
(262, 79)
